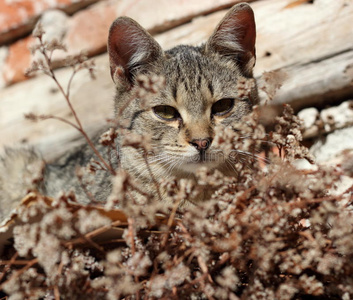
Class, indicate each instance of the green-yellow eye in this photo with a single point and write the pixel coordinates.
(166, 112)
(222, 107)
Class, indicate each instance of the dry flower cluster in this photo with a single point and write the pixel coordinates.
(268, 233)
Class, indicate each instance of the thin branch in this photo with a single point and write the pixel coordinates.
(70, 82)
(68, 101)
(9, 264)
(152, 176)
(20, 272)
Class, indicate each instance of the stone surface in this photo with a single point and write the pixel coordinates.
(338, 116)
(303, 164)
(332, 145)
(309, 116)
(328, 120)
(342, 185)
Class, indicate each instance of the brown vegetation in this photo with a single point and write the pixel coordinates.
(272, 232)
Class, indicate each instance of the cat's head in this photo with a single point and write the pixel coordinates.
(200, 90)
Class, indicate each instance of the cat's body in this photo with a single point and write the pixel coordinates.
(200, 92)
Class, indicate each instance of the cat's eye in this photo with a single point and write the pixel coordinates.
(222, 107)
(166, 112)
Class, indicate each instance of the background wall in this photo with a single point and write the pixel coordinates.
(312, 41)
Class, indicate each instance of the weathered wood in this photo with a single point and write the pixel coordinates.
(318, 83)
(93, 101)
(312, 42)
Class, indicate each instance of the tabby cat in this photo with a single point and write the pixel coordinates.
(200, 92)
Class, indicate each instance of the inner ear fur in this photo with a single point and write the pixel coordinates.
(235, 37)
(130, 48)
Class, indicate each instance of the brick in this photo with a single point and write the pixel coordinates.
(17, 61)
(18, 57)
(3, 55)
(18, 18)
(88, 29)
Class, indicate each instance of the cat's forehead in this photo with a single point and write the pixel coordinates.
(195, 79)
(186, 61)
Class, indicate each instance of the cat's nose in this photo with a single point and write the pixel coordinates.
(201, 144)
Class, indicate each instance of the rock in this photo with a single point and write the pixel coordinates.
(308, 116)
(303, 164)
(347, 162)
(341, 189)
(328, 120)
(331, 146)
(343, 163)
(338, 116)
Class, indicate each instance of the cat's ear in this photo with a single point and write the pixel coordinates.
(235, 37)
(130, 48)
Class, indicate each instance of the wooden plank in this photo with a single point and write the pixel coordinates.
(318, 83)
(285, 36)
(302, 34)
(93, 101)
(312, 42)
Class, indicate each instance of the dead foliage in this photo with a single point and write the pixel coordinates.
(271, 232)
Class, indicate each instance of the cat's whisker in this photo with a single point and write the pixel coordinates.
(250, 154)
(258, 140)
(162, 161)
(172, 166)
(230, 165)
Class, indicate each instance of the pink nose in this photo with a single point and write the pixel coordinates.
(201, 144)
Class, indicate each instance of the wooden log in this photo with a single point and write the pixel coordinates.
(318, 83)
(311, 42)
(92, 100)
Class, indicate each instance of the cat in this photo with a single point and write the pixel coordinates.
(199, 92)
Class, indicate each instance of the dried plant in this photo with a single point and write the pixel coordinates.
(44, 64)
(271, 232)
